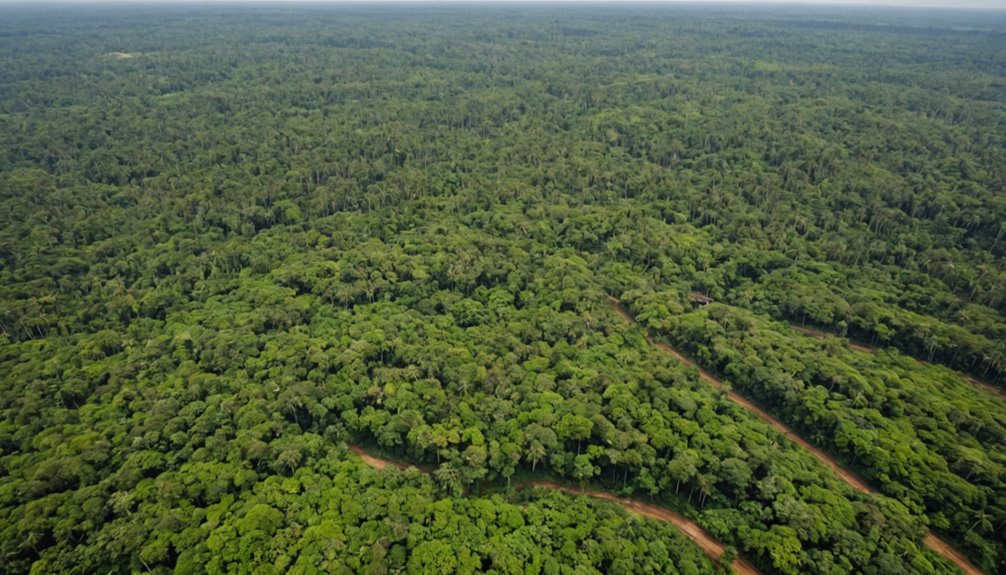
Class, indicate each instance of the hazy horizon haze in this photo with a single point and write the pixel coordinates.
(923, 4)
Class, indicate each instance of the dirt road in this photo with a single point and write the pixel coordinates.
(849, 477)
(944, 549)
(710, 546)
(932, 540)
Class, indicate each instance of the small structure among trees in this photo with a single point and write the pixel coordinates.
(699, 299)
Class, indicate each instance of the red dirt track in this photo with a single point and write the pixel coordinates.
(710, 546)
(933, 541)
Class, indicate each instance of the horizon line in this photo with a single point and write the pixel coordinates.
(949, 5)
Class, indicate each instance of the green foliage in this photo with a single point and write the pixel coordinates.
(920, 432)
(234, 240)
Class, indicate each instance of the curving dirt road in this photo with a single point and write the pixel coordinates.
(933, 541)
(710, 546)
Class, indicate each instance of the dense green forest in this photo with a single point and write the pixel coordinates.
(235, 240)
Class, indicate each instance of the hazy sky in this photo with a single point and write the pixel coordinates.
(995, 4)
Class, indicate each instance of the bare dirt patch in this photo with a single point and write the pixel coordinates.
(380, 462)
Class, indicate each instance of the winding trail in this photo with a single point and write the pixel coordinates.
(932, 540)
(712, 548)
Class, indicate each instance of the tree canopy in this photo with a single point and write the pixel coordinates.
(236, 239)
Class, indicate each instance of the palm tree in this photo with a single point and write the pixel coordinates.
(859, 400)
(999, 235)
(535, 452)
(984, 521)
